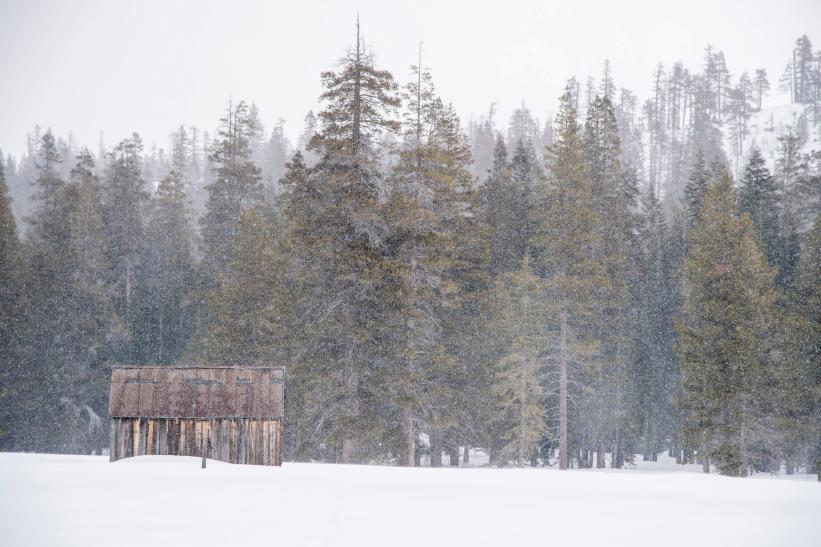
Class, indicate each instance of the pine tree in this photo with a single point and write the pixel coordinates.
(522, 127)
(241, 330)
(275, 156)
(11, 321)
(758, 197)
(506, 210)
(166, 308)
(72, 320)
(124, 204)
(343, 282)
(49, 182)
(419, 217)
(762, 85)
(807, 303)
(519, 319)
(236, 188)
(605, 400)
(696, 188)
(657, 375)
(565, 240)
(524, 173)
(726, 332)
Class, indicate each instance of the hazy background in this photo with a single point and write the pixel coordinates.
(120, 66)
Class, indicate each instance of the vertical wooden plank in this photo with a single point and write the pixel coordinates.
(279, 442)
(122, 451)
(135, 437)
(192, 438)
(128, 444)
(252, 436)
(149, 445)
(222, 442)
(271, 442)
(237, 445)
(162, 437)
(112, 439)
(240, 440)
(266, 447)
(260, 443)
(181, 446)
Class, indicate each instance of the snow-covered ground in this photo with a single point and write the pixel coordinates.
(765, 128)
(156, 500)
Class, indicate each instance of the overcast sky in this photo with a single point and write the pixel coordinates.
(150, 65)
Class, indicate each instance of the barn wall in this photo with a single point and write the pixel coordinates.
(233, 440)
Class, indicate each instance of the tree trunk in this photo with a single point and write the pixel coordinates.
(349, 450)
(702, 454)
(409, 456)
(789, 465)
(466, 455)
(600, 455)
(436, 449)
(350, 444)
(522, 413)
(453, 454)
(615, 457)
(563, 392)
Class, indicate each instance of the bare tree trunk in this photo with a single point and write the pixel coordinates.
(409, 456)
(350, 445)
(466, 455)
(563, 392)
(435, 449)
(618, 452)
(600, 455)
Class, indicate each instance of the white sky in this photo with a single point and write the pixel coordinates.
(150, 65)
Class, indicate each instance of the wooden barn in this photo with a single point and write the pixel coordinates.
(233, 414)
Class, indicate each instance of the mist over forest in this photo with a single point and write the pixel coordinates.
(624, 275)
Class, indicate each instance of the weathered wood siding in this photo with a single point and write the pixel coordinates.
(233, 414)
(233, 440)
(197, 392)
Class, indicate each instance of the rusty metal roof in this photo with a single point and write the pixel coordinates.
(197, 392)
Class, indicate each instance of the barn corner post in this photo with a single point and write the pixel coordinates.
(228, 413)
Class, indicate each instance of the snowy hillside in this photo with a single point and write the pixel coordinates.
(86, 501)
(766, 126)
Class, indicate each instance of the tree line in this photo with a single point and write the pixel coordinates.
(572, 295)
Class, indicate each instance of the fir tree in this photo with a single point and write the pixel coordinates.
(11, 323)
(236, 187)
(124, 204)
(758, 197)
(726, 331)
(344, 288)
(72, 316)
(762, 85)
(696, 188)
(565, 240)
(807, 303)
(506, 210)
(166, 308)
(241, 329)
(49, 182)
(519, 319)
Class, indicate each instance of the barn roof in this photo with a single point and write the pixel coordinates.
(197, 392)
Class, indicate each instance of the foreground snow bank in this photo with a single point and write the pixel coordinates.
(157, 500)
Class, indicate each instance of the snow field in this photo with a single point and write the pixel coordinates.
(86, 501)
